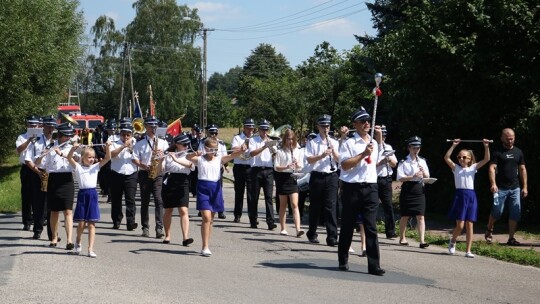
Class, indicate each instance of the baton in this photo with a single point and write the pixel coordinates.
(469, 140)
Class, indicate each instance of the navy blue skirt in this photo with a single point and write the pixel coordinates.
(210, 196)
(87, 208)
(465, 206)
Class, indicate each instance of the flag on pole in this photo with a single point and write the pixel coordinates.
(175, 128)
(137, 113)
(152, 107)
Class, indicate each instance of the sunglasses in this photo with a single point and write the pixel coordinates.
(211, 150)
(462, 157)
(415, 148)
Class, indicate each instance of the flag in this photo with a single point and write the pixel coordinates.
(152, 107)
(137, 113)
(175, 128)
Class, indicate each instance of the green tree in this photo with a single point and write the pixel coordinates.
(39, 43)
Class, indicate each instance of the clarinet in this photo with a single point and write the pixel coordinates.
(332, 168)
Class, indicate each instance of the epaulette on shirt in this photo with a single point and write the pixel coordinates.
(220, 142)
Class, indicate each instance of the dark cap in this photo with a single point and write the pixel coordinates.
(414, 141)
(111, 124)
(32, 120)
(195, 126)
(360, 114)
(49, 121)
(311, 136)
(249, 122)
(181, 139)
(151, 121)
(163, 124)
(212, 128)
(264, 124)
(126, 127)
(125, 120)
(65, 129)
(324, 120)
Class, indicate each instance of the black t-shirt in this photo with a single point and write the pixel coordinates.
(508, 162)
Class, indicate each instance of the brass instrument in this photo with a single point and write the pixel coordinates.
(138, 126)
(45, 176)
(154, 161)
(246, 155)
(67, 118)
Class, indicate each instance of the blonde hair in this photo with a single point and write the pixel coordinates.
(471, 156)
(85, 151)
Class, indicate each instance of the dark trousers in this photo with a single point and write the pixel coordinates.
(39, 201)
(104, 178)
(302, 196)
(193, 178)
(242, 181)
(261, 177)
(359, 198)
(385, 195)
(26, 195)
(323, 191)
(153, 187)
(123, 185)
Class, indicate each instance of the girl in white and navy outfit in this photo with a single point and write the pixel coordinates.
(209, 192)
(175, 190)
(465, 206)
(87, 210)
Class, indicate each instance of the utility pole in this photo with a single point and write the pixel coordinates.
(204, 98)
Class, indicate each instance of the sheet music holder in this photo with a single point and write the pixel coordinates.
(429, 180)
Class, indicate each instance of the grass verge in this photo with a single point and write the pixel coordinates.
(10, 186)
(522, 256)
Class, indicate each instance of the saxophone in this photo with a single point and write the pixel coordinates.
(154, 161)
(45, 176)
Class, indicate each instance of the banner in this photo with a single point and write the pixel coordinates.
(175, 128)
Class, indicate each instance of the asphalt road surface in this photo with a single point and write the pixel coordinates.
(247, 266)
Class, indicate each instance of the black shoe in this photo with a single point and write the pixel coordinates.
(344, 267)
(272, 226)
(26, 227)
(132, 227)
(116, 226)
(36, 235)
(45, 223)
(331, 242)
(221, 215)
(166, 242)
(424, 245)
(236, 219)
(391, 235)
(53, 244)
(313, 240)
(187, 242)
(377, 272)
(254, 226)
(70, 246)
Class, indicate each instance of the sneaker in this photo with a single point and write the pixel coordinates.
(469, 255)
(351, 250)
(145, 232)
(159, 233)
(78, 249)
(92, 254)
(300, 233)
(206, 252)
(451, 248)
(284, 232)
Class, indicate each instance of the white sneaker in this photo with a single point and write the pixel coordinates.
(451, 248)
(469, 255)
(92, 254)
(351, 250)
(77, 249)
(206, 252)
(284, 232)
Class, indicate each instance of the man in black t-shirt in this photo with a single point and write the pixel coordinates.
(507, 173)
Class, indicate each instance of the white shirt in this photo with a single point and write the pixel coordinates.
(408, 167)
(35, 149)
(142, 151)
(385, 169)
(87, 176)
(362, 172)
(209, 170)
(21, 139)
(237, 141)
(122, 162)
(54, 163)
(464, 177)
(263, 159)
(316, 147)
(169, 165)
(284, 158)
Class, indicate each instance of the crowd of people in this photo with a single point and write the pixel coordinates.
(346, 178)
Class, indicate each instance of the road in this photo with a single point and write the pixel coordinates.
(247, 266)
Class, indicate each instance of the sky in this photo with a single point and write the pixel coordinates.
(293, 27)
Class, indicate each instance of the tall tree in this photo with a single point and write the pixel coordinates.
(39, 52)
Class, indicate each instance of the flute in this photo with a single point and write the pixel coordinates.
(54, 147)
(470, 140)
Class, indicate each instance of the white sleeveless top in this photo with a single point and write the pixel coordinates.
(209, 170)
